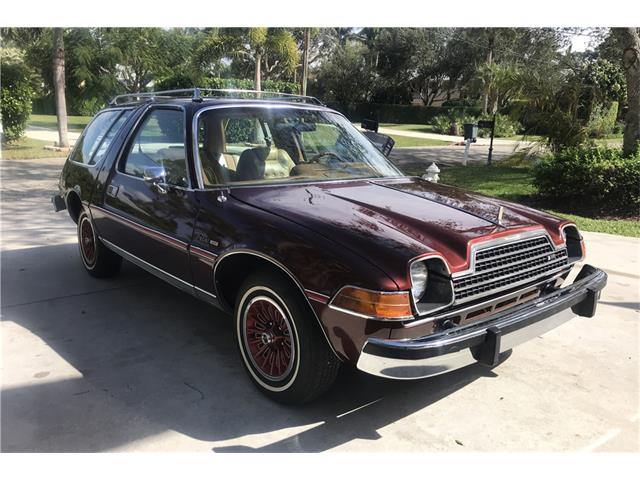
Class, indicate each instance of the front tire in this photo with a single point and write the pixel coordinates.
(280, 343)
(98, 260)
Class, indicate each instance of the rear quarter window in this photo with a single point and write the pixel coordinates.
(97, 136)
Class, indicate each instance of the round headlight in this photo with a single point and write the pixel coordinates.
(419, 276)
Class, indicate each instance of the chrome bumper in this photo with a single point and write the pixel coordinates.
(482, 342)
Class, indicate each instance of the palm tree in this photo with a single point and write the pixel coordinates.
(58, 82)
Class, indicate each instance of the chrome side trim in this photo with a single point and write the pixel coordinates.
(163, 237)
(206, 294)
(410, 369)
(285, 270)
(318, 297)
(166, 276)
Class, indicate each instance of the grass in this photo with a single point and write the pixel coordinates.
(74, 124)
(515, 183)
(417, 142)
(410, 127)
(28, 148)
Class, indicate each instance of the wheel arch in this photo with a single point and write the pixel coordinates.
(233, 267)
(74, 205)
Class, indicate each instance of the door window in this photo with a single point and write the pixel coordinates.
(97, 137)
(159, 142)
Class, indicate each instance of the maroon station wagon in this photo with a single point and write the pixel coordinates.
(278, 210)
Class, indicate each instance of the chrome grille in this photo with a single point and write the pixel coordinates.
(504, 266)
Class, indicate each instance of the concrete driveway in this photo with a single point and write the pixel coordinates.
(133, 364)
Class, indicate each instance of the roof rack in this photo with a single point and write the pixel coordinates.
(198, 94)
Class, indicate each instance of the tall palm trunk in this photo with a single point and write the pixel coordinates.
(485, 102)
(58, 83)
(630, 41)
(305, 60)
(258, 73)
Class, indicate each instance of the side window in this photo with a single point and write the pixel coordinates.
(93, 136)
(242, 133)
(159, 142)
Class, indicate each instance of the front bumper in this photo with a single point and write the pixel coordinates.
(484, 341)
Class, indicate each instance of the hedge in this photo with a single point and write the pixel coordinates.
(592, 177)
(387, 113)
(15, 100)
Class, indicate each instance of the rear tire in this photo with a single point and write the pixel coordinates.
(281, 345)
(98, 260)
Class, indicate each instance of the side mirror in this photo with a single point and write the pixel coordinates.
(156, 176)
(371, 125)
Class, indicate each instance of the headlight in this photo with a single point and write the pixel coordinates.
(419, 276)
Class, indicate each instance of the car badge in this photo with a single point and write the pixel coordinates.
(500, 215)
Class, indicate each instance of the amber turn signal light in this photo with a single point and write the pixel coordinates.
(384, 305)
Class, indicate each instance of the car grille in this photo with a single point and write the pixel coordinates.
(504, 266)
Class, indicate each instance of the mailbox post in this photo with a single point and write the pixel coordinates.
(492, 125)
(470, 135)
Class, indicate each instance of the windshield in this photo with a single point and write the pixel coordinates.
(274, 145)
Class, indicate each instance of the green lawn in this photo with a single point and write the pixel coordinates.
(417, 142)
(75, 123)
(28, 148)
(514, 183)
(411, 127)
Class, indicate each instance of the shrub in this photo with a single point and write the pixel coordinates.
(453, 124)
(388, 113)
(592, 177)
(603, 120)
(15, 100)
(505, 127)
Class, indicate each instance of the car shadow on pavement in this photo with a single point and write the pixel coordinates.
(147, 358)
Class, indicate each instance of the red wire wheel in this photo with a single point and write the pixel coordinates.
(87, 242)
(268, 338)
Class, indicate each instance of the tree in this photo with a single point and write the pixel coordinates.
(630, 42)
(59, 85)
(346, 77)
(263, 53)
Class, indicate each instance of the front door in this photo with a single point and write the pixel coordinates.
(149, 209)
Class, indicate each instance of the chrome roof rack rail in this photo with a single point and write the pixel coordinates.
(199, 94)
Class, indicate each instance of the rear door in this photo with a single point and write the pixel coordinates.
(152, 220)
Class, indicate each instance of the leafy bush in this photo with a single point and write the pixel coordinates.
(453, 124)
(15, 100)
(592, 177)
(389, 113)
(602, 120)
(505, 127)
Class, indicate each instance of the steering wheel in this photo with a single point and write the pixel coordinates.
(316, 158)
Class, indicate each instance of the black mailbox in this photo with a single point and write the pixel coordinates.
(470, 131)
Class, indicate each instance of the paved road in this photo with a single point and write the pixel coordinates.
(135, 365)
(421, 157)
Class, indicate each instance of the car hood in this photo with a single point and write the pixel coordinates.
(390, 221)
